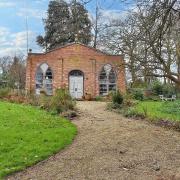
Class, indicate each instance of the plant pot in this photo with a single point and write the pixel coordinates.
(88, 97)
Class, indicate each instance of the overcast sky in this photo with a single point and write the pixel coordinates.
(13, 15)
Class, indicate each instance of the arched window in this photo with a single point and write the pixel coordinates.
(44, 79)
(107, 80)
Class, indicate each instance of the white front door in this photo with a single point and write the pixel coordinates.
(76, 86)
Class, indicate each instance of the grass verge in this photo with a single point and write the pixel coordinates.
(159, 110)
(29, 135)
(166, 114)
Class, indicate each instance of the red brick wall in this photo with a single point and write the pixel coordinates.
(75, 57)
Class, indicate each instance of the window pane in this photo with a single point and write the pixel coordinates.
(112, 77)
(103, 89)
(103, 77)
(48, 82)
(112, 87)
(39, 86)
(39, 79)
(48, 74)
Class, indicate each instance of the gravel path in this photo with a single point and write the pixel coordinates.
(109, 146)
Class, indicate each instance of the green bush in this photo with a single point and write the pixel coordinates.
(61, 101)
(4, 92)
(157, 87)
(152, 98)
(44, 101)
(113, 106)
(168, 90)
(128, 100)
(130, 112)
(138, 94)
(98, 98)
(117, 98)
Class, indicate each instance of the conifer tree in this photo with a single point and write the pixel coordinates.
(80, 24)
(64, 22)
(56, 25)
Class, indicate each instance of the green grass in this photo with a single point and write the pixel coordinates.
(28, 135)
(159, 110)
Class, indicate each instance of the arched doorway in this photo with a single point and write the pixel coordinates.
(107, 80)
(76, 84)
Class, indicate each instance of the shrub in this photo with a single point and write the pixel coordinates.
(117, 98)
(4, 92)
(44, 101)
(168, 90)
(157, 87)
(138, 95)
(128, 100)
(61, 101)
(114, 106)
(130, 112)
(98, 98)
(152, 98)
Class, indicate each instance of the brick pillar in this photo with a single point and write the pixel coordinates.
(94, 71)
(58, 74)
(28, 74)
(121, 78)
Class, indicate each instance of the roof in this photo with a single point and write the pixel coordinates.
(75, 43)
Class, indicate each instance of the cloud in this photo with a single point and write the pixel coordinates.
(40, 1)
(13, 43)
(35, 13)
(114, 14)
(3, 31)
(19, 39)
(6, 4)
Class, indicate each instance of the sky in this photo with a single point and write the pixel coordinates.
(14, 13)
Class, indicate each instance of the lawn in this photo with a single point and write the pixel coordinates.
(28, 135)
(160, 109)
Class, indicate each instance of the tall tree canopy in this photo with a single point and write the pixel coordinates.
(80, 23)
(65, 21)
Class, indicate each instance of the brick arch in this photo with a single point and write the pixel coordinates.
(76, 70)
(113, 67)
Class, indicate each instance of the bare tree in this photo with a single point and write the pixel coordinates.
(158, 24)
(13, 71)
(150, 39)
(17, 73)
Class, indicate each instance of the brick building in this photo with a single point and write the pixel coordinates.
(82, 69)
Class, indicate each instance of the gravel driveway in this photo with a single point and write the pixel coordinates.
(109, 146)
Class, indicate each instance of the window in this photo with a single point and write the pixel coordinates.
(44, 79)
(107, 80)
